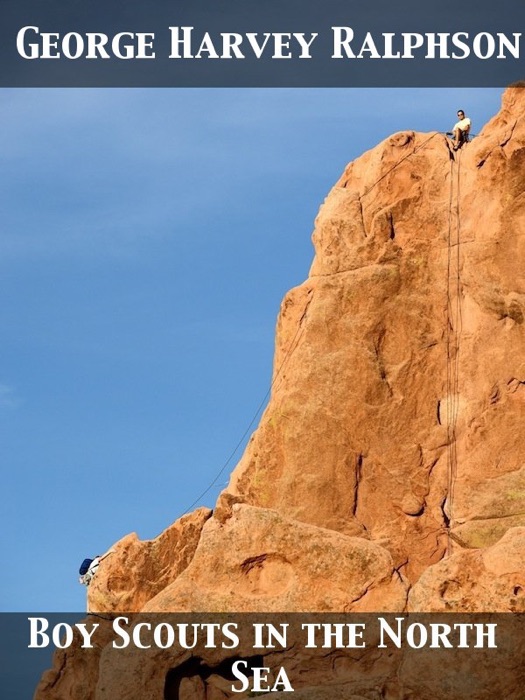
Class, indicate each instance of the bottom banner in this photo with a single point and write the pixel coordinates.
(216, 657)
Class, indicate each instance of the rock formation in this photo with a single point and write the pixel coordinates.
(387, 471)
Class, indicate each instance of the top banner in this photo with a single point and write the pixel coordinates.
(261, 43)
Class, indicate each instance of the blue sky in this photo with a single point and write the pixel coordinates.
(147, 238)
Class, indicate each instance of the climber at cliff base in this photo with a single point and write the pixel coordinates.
(461, 130)
(89, 567)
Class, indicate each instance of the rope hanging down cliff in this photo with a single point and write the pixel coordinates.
(453, 326)
(451, 375)
(293, 345)
(453, 332)
(401, 160)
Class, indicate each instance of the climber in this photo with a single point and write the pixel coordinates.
(89, 567)
(461, 130)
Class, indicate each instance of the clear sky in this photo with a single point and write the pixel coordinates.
(147, 239)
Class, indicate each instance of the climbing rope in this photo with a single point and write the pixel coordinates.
(401, 160)
(451, 381)
(453, 332)
(293, 345)
(454, 321)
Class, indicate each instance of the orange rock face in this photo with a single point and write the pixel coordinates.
(398, 394)
(387, 472)
(137, 571)
(260, 561)
(400, 365)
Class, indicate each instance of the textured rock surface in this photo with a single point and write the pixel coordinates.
(260, 561)
(476, 580)
(138, 570)
(399, 381)
(390, 456)
(400, 363)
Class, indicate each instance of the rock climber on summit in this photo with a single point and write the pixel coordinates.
(461, 130)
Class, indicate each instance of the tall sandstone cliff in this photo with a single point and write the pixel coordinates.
(390, 458)
(387, 472)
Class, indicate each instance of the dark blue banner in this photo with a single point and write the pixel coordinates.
(428, 656)
(249, 43)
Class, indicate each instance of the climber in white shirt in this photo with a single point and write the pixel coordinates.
(461, 130)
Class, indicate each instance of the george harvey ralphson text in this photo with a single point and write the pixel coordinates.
(381, 632)
(189, 43)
